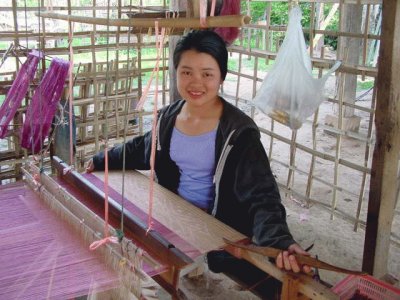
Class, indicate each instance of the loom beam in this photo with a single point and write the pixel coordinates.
(152, 242)
(219, 21)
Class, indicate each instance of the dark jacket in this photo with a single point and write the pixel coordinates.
(247, 197)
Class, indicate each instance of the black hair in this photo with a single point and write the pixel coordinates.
(203, 41)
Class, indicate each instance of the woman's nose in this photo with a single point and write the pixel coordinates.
(196, 77)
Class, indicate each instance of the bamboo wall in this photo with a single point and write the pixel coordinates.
(109, 72)
(313, 165)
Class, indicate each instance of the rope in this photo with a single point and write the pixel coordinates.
(107, 238)
(159, 43)
(70, 93)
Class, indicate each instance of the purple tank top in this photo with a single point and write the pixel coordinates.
(195, 158)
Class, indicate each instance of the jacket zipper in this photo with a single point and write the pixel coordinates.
(220, 167)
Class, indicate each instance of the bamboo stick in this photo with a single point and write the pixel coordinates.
(220, 21)
(367, 157)
(322, 155)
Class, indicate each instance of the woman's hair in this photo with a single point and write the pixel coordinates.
(204, 41)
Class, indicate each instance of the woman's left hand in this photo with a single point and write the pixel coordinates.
(288, 262)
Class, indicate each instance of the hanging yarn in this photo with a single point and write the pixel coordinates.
(43, 106)
(18, 91)
(229, 34)
(289, 94)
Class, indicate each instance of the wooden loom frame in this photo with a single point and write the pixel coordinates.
(295, 286)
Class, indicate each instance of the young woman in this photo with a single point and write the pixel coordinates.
(210, 153)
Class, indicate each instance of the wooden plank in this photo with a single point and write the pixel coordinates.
(382, 196)
(192, 224)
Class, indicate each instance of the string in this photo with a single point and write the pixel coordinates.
(159, 44)
(212, 12)
(203, 13)
(70, 92)
(107, 237)
(128, 87)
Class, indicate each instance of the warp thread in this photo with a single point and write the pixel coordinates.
(43, 106)
(18, 90)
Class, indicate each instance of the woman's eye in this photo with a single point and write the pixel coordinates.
(186, 73)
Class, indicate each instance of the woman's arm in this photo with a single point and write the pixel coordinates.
(137, 155)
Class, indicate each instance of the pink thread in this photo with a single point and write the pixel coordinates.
(41, 256)
(106, 238)
(106, 233)
(18, 90)
(36, 179)
(67, 170)
(70, 93)
(159, 42)
(97, 244)
(212, 11)
(203, 13)
(143, 98)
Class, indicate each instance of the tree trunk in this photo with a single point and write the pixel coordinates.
(349, 51)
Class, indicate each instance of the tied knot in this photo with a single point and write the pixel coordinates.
(97, 244)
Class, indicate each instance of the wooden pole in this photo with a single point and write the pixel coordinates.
(220, 21)
(382, 196)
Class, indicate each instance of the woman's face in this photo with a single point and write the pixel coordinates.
(198, 78)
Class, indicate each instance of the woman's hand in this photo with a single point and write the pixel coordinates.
(90, 166)
(288, 262)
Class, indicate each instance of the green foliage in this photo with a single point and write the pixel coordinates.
(333, 25)
(261, 66)
(232, 64)
(28, 3)
(280, 17)
(4, 45)
(364, 85)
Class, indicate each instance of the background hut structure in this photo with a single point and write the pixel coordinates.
(342, 164)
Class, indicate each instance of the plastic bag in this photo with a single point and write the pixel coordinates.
(289, 94)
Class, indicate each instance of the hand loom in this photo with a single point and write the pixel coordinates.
(181, 234)
(145, 264)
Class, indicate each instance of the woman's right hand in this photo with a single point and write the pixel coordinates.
(90, 166)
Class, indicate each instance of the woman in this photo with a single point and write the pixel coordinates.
(210, 153)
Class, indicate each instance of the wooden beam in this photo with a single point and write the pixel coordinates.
(219, 21)
(382, 196)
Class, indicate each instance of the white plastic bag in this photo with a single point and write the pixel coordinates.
(289, 94)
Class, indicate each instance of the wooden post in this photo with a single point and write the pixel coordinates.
(382, 196)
